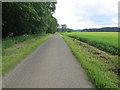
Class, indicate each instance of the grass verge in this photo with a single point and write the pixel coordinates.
(100, 66)
(16, 49)
(106, 41)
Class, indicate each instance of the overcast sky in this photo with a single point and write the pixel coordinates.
(80, 14)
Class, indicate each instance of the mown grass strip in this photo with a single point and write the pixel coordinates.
(16, 49)
(98, 66)
(104, 41)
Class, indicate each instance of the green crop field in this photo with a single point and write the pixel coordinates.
(106, 41)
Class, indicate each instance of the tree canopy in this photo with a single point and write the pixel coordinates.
(28, 18)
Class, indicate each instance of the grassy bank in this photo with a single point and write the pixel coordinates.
(101, 67)
(106, 41)
(17, 48)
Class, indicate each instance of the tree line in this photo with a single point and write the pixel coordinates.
(104, 29)
(20, 18)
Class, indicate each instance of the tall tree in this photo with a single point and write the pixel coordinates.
(28, 18)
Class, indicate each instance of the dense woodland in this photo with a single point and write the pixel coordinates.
(28, 18)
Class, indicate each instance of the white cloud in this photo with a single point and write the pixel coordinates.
(77, 13)
(114, 20)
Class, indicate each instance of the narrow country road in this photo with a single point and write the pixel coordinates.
(52, 65)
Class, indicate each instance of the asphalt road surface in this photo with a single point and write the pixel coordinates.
(52, 65)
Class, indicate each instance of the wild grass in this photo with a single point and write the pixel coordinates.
(100, 66)
(16, 49)
(8, 42)
(106, 41)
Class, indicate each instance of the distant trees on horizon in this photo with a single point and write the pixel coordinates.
(105, 29)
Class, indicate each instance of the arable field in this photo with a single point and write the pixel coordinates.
(106, 41)
(101, 67)
(17, 48)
